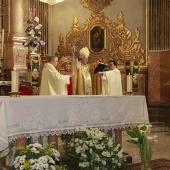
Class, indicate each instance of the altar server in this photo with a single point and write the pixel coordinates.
(111, 80)
(52, 82)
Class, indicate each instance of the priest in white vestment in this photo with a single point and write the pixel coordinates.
(111, 80)
(52, 82)
(82, 84)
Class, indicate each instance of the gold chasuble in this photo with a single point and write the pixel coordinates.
(111, 83)
(52, 82)
(82, 84)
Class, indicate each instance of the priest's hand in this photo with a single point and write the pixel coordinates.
(71, 75)
(99, 73)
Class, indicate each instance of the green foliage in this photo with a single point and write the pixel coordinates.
(3, 158)
(145, 143)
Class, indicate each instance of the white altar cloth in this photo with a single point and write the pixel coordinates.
(32, 116)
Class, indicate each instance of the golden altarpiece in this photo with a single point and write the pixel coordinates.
(106, 41)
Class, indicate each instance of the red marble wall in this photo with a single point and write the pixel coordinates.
(159, 76)
(165, 76)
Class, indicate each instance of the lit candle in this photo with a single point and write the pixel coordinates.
(129, 83)
(14, 80)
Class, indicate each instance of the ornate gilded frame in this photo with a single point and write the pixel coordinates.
(147, 33)
(97, 39)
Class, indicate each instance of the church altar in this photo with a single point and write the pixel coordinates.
(34, 116)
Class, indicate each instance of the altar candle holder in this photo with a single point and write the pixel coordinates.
(14, 94)
(129, 94)
(129, 85)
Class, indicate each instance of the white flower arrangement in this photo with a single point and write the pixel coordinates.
(35, 157)
(94, 150)
(33, 33)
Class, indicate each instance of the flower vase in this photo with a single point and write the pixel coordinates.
(33, 50)
(144, 167)
(145, 163)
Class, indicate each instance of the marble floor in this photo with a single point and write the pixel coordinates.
(161, 148)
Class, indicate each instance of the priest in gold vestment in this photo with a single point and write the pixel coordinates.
(82, 83)
(52, 82)
(111, 80)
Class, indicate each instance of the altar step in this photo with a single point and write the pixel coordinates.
(160, 127)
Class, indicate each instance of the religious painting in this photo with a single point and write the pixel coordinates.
(97, 39)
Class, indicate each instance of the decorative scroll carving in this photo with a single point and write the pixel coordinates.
(20, 55)
(122, 47)
(33, 65)
(118, 40)
(96, 5)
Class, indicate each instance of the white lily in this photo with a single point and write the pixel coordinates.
(150, 137)
(144, 120)
(155, 136)
(36, 19)
(38, 26)
(32, 32)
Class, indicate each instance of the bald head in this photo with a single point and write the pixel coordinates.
(53, 60)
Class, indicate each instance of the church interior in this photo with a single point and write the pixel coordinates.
(134, 33)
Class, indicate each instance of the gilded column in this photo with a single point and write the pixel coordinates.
(16, 16)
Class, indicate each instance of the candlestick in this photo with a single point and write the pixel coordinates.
(14, 80)
(29, 76)
(42, 51)
(2, 45)
(129, 83)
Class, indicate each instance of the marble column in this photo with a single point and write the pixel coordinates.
(16, 14)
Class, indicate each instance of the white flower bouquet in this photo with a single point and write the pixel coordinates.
(94, 150)
(35, 157)
(33, 33)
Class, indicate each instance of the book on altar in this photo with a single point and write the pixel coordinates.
(101, 67)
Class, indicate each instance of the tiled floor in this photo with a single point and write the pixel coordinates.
(161, 147)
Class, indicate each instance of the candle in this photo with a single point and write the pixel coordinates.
(129, 83)
(2, 45)
(42, 51)
(29, 76)
(14, 80)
